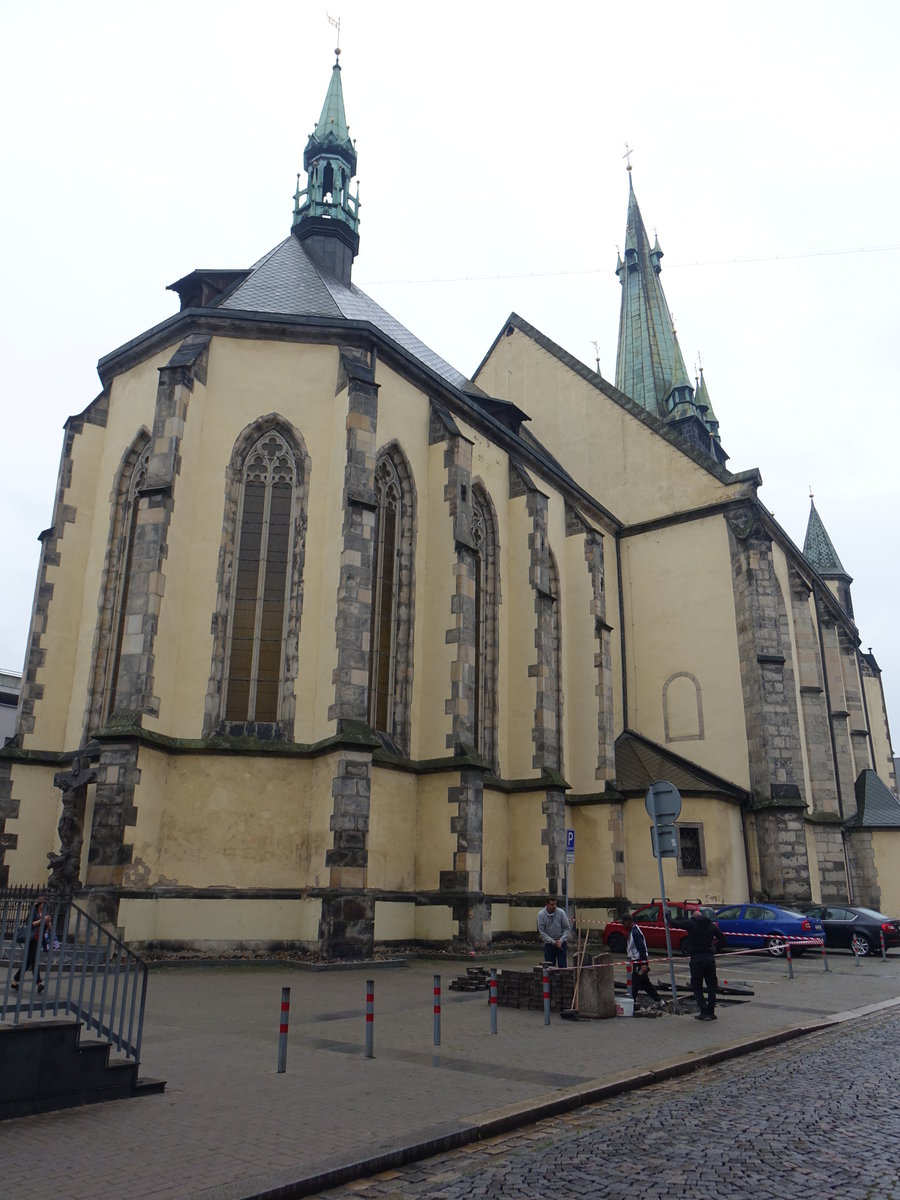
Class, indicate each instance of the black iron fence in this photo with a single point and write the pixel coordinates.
(56, 960)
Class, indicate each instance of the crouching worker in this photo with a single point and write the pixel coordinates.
(553, 926)
(639, 956)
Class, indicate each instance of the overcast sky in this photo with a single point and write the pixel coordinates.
(145, 140)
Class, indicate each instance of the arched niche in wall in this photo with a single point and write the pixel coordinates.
(682, 705)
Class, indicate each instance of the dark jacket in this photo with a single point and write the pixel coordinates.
(704, 936)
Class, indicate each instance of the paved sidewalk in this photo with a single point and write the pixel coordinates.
(229, 1127)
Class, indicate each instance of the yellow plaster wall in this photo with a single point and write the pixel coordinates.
(435, 844)
(726, 872)
(636, 473)
(592, 872)
(886, 844)
(402, 922)
(393, 829)
(495, 843)
(527, 856)
(245, 381)
(40, 807)
(209, 923)
(235, 821)
(679, 617)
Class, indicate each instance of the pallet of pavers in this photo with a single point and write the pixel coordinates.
(525, 989)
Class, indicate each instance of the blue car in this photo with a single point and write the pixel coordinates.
(750, 926)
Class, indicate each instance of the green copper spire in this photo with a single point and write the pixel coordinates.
(819, 551)
(648, 355)
(326, 215)
(649, 363)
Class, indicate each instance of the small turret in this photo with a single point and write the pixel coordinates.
(819, 551)
(326, 215)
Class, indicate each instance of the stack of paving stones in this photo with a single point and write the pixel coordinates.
(523, 989)
(476, 979)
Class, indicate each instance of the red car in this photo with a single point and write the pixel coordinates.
(650, 920)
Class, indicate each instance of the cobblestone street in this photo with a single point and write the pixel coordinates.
(815, 1119)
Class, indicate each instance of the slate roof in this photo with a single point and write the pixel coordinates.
(288, 281)
(876, 805)
(640, 762)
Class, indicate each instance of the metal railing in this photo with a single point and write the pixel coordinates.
(75, 968)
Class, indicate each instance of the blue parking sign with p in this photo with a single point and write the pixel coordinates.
(570, 841)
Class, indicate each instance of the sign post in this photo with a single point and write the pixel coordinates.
(663, 804)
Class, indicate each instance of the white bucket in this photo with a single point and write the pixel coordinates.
(624, 1006)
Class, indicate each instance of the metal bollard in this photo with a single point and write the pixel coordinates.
(546, 996)
(370, 1018)
(492, 999)
(825, 956)
(855, 948)
(283, 1029)
(883, 950)
(437, 1010)
(790, 961)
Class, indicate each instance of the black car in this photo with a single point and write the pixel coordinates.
(856, 929)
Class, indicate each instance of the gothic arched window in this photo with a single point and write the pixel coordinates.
(113, 599)
(257, 624)
(259, 601)
(487, 599)
(390, 641)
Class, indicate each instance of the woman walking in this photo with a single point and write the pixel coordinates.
(38, 927)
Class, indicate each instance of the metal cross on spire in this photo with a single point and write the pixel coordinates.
(629, 150)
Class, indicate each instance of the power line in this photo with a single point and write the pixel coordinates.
(714, 262)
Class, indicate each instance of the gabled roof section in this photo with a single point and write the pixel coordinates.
(876, 805)
(640, 762)
(818, 549)
(515, 323)
(288, 281)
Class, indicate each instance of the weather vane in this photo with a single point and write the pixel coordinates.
(629, 150)
(596, 346)
(810, 492)
(337, 25)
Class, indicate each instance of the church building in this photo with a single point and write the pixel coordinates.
(331, 644)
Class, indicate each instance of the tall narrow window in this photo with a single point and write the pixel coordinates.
(390, 642)
(112, 603)
(261, 582)
(487, 596)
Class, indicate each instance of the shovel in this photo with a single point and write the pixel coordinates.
(571, 1014)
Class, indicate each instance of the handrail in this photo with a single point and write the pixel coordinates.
(77, 968)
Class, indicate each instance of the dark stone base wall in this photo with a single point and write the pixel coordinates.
(347, 926)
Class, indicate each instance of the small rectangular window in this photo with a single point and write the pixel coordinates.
(691, 850)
